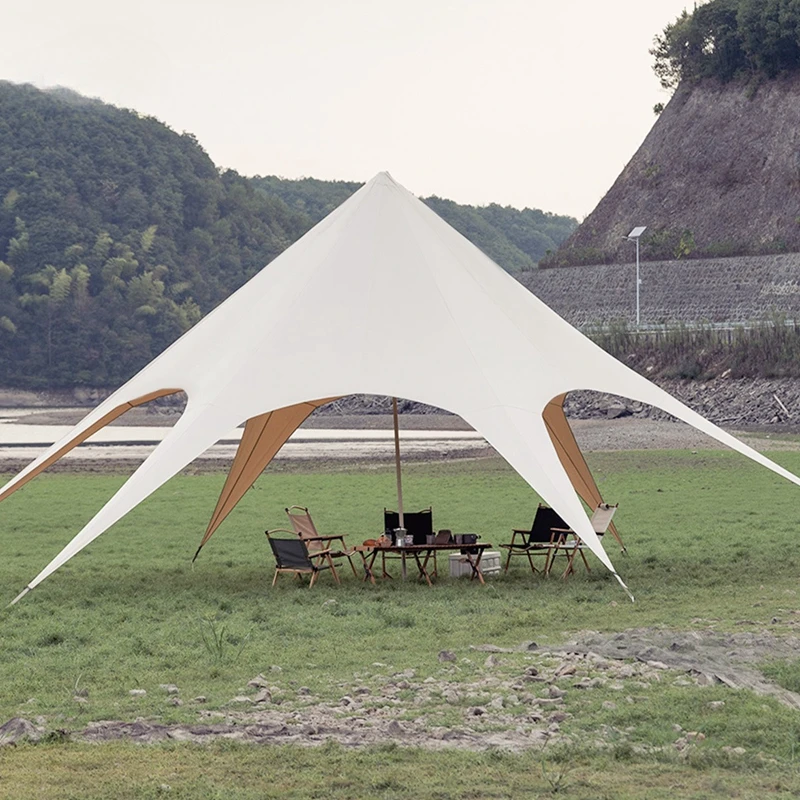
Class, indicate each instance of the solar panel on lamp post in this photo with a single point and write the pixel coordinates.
(634, 236)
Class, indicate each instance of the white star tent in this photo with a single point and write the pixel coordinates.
(381, 297)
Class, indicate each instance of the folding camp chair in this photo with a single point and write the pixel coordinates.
(292, 555)
(304, 527)
(569, 544)
(540, 540)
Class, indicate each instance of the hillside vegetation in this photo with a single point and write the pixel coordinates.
(719, 173)
(117, 234)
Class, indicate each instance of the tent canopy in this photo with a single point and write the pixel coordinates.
(381, 297)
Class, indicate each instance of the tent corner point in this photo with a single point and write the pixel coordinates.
(19, 596)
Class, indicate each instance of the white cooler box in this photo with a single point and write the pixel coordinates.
(490, 564)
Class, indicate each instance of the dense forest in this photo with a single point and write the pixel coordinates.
(726, 39)
(117, 234)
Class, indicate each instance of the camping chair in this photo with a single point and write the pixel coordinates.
(292, 555)
(570, 547)
(540, 540)
(304, 527)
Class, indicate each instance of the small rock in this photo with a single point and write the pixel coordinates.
(240, 699)
(677, 728)
(496, 702)
(259, 682)
(446, 655)
(169, 688)
(329, 602)
(557, 716)
(407, 673)
(657, 665)
(264, 696)
(361, 690)
(565, 669)
(16, 730)
(175, 701)
(137, 692)
(716, 704)
(201, 698)
(491, 661)
(608, 705)
(554, 691)
(695, 736)
(734, 751)
(395, 728)
(275, 668)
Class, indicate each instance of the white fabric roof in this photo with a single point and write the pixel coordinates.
(381, 297)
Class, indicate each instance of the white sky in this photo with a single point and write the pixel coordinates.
(536, 103)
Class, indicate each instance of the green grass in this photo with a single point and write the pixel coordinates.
(712, 542)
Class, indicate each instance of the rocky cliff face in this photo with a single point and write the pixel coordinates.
(718, 175)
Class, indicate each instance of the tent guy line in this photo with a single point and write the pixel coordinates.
(313, 326)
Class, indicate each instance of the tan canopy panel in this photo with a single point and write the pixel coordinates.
(571, 458)
(107, 418)
(263, 436)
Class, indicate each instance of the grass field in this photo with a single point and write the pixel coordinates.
(712, 545)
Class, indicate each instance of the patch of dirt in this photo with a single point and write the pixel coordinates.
(708, 656)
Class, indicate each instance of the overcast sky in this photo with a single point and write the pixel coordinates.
(535, 103)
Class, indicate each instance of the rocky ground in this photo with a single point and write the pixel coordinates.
(493, 697)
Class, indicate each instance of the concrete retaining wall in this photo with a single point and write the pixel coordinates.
(736, 290)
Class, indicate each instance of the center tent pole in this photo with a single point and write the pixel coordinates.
(397, 463)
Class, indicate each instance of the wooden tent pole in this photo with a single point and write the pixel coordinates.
(397, 463)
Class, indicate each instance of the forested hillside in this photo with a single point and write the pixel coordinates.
(515, 239)
(117, 234)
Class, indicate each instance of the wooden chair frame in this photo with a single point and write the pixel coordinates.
(315, 562)
(545, 543)
(569, 544)
(303, 526)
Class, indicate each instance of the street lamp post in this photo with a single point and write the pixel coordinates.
(634, 236)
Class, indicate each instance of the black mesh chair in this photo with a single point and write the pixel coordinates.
(418, 524)
(541, 540)
(291, 555)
